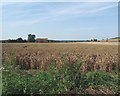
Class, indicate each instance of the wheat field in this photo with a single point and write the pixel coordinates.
(37, 56)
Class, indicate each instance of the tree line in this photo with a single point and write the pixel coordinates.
(31, 38)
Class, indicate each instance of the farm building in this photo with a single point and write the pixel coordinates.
(42, 40)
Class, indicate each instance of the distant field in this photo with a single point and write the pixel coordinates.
(102, 43)
(112, 40)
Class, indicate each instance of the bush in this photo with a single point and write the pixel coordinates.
(99, 78)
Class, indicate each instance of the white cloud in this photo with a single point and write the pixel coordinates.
(104, 8)
(53, 13)
(84, 9)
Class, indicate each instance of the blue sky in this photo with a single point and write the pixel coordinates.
(65, 20)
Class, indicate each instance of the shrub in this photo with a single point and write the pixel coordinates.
(66, 79)
(99, 78)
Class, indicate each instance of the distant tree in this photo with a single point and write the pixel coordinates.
(19, 40)
(106, 39)
(31, 38)
(95, 40)
(24, 40)
(91, 40)
(11, 41)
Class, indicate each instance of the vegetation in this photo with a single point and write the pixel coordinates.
(19, 40)
(31, 38)
(70, 68)
(64, 80)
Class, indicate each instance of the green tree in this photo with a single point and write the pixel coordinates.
(31, 38)
(19, 40)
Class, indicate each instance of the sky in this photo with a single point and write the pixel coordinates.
(60, 20)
